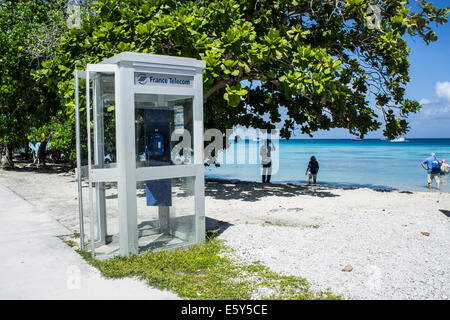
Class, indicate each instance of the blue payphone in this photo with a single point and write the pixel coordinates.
(155, 144)
(157, 132)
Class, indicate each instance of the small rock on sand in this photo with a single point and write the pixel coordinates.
(347, 268)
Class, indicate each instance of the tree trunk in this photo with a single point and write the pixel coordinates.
(7, 156)
(42, 154)
(27, 150)
(56, 156)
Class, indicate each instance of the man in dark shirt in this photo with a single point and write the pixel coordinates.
(265, 152)
(313, 169)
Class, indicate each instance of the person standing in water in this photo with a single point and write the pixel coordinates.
(445, 168)
(266, 160)
(433, 166)
(313, 169)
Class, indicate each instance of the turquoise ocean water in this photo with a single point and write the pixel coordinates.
(372, 163)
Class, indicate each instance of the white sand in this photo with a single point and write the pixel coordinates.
(312, 232)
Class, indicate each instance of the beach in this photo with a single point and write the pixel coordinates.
(367, 163)
(394, 244)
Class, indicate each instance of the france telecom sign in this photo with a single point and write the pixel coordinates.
(155, 79)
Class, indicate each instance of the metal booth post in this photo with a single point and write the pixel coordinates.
(79, 75)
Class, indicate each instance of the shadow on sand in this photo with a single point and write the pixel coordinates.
(253, 191)
(217, 227)
(446, 212)
(21, 166)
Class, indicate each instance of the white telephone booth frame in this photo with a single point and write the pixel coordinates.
(125, 66)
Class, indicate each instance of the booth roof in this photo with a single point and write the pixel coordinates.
(154, 58)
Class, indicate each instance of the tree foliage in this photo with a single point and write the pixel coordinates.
(320, 60)
(28, 30)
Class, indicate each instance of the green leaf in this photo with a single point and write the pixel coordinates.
(141, 29)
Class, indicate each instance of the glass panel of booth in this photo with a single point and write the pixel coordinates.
(166, 213)
(85, 115)
(164, 130)
(103, 122)
(165, 216)
(106, 220)
(164, 127)
(96, 148)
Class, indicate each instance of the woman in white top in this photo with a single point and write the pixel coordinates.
(445, 168)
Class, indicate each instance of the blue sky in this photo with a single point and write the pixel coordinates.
(430, 84)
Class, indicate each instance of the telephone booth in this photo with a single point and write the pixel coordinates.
(139, 125)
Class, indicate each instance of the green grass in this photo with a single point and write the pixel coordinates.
(207, 271)
(68, 241)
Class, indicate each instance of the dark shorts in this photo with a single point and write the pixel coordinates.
(312, 175)
(267, 165)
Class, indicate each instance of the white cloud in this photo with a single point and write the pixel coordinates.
(443, 90)
(436, 112)
(424, 101)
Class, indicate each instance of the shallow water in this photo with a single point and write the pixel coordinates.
(372, 163)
